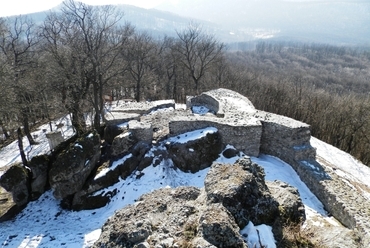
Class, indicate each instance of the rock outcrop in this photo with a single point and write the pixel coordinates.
(17, 181)
(291, 208)
(241, 189)
(73, 166)
(39, 166)
(122, 143)
(190, 217)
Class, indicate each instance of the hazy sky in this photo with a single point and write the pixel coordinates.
(17, 7)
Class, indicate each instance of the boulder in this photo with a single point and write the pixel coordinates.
(8, 208)
(122, 143)
(39, 166)
(171, 218)
(87, 198)
(107, 175)
(195, 154)
(291, 207)
(141, 131)
(241, 189)
(219, 228)
(111, 131)
(17, 181)
(73, 166)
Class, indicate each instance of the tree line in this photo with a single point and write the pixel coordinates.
(76, 56)
(325, 86)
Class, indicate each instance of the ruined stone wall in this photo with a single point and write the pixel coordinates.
(204, 100)
(339, 197)
(244, 138)
(289, 140)
(285, 138)
(254, 132)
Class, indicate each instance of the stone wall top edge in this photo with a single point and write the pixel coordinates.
(279, 119)
(221, 121)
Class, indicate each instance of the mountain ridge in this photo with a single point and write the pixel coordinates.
(328, 22)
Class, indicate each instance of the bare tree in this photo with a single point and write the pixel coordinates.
(198, 51)
(86, 44)
(139, 56)
(18, 44)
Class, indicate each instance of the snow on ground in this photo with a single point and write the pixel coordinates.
(200, 110)
(44, 224)
(10, 153)
(346, 165)
(197, 134)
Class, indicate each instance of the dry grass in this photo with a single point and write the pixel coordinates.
(295, 237)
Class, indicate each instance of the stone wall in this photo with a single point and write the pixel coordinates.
(245, 138)
(206, 101)
(285, 138)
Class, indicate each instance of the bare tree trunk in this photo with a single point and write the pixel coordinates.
(20, 146)
(26, 128)
(78, 121)
(5, 131)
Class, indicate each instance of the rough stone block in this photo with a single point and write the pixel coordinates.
(141, 131)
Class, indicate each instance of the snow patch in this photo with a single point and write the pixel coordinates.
(255, 236)
(193, 135)
(200, 110)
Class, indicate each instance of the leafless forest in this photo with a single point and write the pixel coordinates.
(68, 63)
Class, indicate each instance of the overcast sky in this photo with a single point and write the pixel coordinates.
(17, 7)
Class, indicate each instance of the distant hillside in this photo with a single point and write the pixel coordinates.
(332, 22)
(155, 22)
(327, 21)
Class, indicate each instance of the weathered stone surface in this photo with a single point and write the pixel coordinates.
(192, 217)
(218, 227)
(159, 121)
(115, 118)
(197, 154)
(86, 198)
(242, 190)
(8, 208)
(140, 151)
(207, 101)
(39, 166)
(291, 207)
(122, 143)
(171, 218)
(160, 215)
(285, 138)
(230, 152)
(111, 131)
(141, 131)
(16, 180)
(73, 166)
(244, 135)
(339, 197)
(143, 107)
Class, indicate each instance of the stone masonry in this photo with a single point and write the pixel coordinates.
(254, 132)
